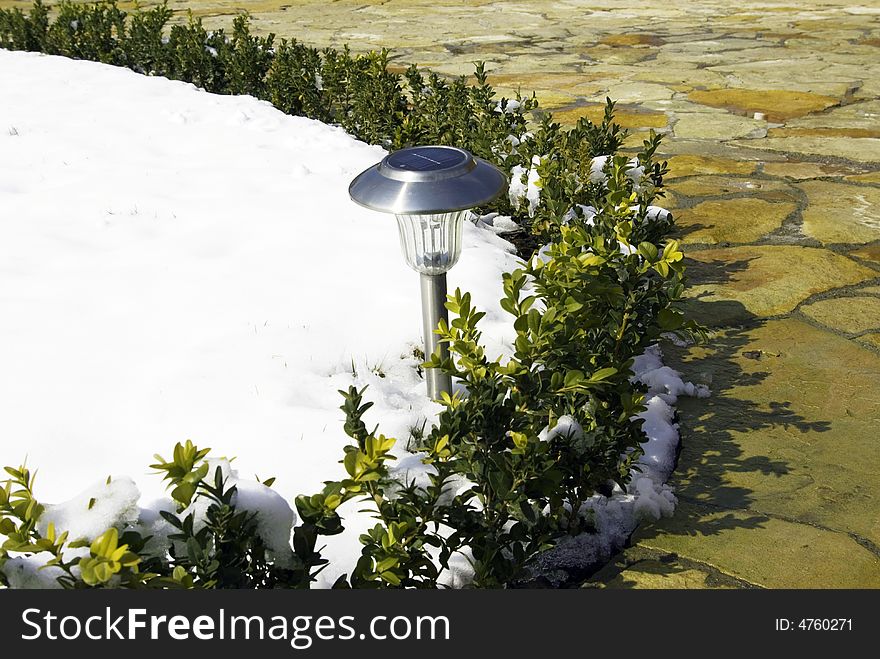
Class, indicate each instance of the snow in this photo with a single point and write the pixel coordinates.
(587, 213)
(179, 265)
(499, 224)
(634, 171)
(656, 213)
(597, 169)
(275, 518)
(528, 190)
(151, 525)
(509, 106)
(29, 572)
(91, 512)
(566, 426)
(183, 265)
(663, 381)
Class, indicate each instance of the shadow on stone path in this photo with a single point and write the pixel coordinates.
(756, 508)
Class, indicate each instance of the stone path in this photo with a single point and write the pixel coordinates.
(772, 116)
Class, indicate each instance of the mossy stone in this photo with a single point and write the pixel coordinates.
(731, 221)
(715, 126)
(768, 280)
(841, 213)
(630, 117)
(775, 104)
(852, 314)
(690, 164)
(713, 186)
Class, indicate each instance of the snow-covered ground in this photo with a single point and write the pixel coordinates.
(179, 265)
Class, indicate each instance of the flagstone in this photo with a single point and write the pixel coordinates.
(804, 170)
(776, 104)
(841, 213)
(703, 186)
(870, 177)
(871, 340)
(730, 221)
(670, 71)
(763, 551)
(687, 165)
(869, 252)
(722, 126)
(853, 315)
(792, 405)
(776, 483)
(632, 39)
(638, 567)
(765, 280)
(858, 149)
(627, 116)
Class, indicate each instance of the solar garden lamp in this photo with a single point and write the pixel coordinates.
(430, 190)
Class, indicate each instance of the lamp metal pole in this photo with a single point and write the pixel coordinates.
(433, 310)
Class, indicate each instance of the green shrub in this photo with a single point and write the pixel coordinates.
(295, 83)
(88, 32)
(19, 31)
(504, 482)
(219, 548)
(145, 48)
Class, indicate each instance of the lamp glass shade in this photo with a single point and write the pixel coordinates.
(431, 242)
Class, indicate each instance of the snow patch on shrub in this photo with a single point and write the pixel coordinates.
(647, 496)
(26, 572)
(530, 190)
(94, 510)
(275, 518)
(566, 426)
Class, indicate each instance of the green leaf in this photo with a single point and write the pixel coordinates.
(528, 511)
(387, 564)
(671, 252)
(390, 577)
(351, 463)
(183, 493)
(670, 319)
(573, 378)
(590, 260)
(105, 544)
(441, 443)
(649, 251)
(15, 473)
(129, 559)
(534, 321)
(520, 440)
(602, 374)
(103, 572)
(509, 306)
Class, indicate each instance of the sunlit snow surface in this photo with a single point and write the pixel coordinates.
(180, 265)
